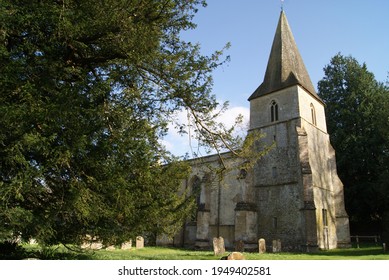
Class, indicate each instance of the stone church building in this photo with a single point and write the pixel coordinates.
(293, 193)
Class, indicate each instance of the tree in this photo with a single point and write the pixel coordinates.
(357, 108)
(86, 90)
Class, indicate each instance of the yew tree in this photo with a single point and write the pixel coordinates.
(87, 88)
(357, 109)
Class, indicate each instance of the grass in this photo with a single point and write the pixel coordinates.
(162, 253)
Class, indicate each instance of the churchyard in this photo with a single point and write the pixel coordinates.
(158, 253)
(366, 251)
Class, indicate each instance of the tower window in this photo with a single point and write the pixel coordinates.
(274, 111)
(325, 219)
(313, 114)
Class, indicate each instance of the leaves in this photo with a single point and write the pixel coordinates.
(87, 88)
(357, 115)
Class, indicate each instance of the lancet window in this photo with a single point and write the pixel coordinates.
(313, 114)
(274, 111)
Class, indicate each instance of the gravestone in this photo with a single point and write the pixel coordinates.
(140, 242)
(110, 248)
(127, 245)
(239, 246)
(218, 246)
(261, 246)
(32, 241)
(91, 243)
(276, 246)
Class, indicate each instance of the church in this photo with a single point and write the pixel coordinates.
(293, 193)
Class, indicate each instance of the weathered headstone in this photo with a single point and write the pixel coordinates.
(140, 242)
(276, 246)
(218, 246)
(239, 246)
(91, 243)
(110, 248)
(95, 245)
(127, 245)
(261, 246)
(32, 241)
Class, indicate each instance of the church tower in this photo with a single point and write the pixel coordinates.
(293, 193)
(298, 193)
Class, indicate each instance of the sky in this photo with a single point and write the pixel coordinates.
(321, 29)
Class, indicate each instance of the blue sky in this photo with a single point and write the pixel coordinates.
(321, 29)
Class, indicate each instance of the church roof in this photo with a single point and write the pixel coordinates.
(285, 67)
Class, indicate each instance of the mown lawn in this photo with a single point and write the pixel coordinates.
(161, 253)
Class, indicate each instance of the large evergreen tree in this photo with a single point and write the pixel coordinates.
(358, 122)
(86, 90)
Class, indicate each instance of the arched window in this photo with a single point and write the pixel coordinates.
(313, 114)
(273, 111)
(196, 191)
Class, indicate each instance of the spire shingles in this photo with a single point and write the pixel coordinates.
(285, 67)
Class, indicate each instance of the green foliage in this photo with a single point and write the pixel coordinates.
(358, 122)
(87, 88)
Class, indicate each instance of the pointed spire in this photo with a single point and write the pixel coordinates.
(285, 67)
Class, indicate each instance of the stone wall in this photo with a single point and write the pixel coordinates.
(219, 197)
(287, 100)
(292, 194)
(325, 183)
